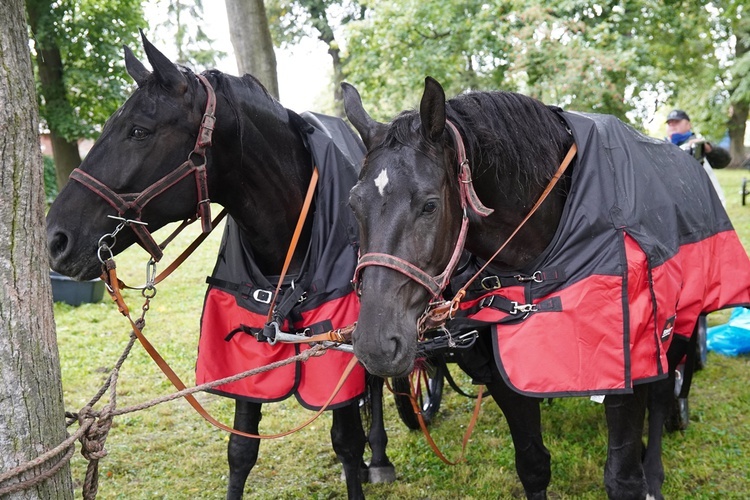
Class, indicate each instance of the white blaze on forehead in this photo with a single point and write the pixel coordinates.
(381, 181)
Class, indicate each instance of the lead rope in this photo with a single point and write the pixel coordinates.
(110, 277)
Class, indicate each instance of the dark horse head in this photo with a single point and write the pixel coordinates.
(149, 138)
(408, 203)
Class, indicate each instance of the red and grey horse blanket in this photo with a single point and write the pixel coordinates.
(319, 299)
(643, 247)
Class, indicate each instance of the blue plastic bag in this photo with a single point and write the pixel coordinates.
(733, 337)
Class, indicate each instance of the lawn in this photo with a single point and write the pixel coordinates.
(170, 452)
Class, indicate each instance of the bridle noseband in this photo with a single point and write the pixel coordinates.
(136, 202)
(435, 284)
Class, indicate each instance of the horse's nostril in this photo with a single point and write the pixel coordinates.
(58, 244)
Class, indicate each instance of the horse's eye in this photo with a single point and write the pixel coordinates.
(429, 207)
(139, 133)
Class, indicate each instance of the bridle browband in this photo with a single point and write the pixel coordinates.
(436, 284)
(136, 202)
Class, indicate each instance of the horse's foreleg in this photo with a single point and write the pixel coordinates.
(242, 452)
(525, 422)
(348, 440)
(623, 473)
(381, 469)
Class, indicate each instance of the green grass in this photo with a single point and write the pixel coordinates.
(170, 452)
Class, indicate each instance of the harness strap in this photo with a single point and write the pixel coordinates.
(110, 278)
(185, 253)
(550, 186)
(295, 239)
(440, 312)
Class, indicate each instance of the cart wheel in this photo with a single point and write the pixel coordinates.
(744, 190)
(679, 413)
(701, 348)
(428, 379)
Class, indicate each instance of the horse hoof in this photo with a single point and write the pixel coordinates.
(382, 474)
(364, 474)
(539, 495)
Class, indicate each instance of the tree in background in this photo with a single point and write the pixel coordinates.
(291, 20)
(625, 57)
(183, 24)
(32, 415)
(251, 39)
(77, 48)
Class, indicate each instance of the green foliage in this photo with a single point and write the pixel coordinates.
(625, 57)
(183, 25)
(50, 179)
(292, 20)
(90, 35)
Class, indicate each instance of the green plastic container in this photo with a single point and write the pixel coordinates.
(73, 292)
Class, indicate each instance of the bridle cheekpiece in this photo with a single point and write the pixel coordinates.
(136, 202)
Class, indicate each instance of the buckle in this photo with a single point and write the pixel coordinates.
(491, 283)
(523, 308)
(486, 301)
(536, 277)
(262, 296)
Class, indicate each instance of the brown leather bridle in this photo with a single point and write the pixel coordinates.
(435, 284)
(136, 202)
(439, 311)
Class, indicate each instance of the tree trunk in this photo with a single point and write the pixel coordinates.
(251, 39)
(31, 402)
(49, 64)
(326, 36)
(737, 123)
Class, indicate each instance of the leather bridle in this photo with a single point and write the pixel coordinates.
(136, 202)
(439, 311)
(435, 284)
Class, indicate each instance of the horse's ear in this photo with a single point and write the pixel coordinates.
(432, 110)
(135, 68)
(170, 77)
(366, 126)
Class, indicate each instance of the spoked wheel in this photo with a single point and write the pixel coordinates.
(701, 348)
(679, 413)
(428, 379)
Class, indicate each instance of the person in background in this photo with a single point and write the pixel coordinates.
(680, 133)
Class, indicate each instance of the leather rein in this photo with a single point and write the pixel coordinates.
(135, 202)
(440, 311)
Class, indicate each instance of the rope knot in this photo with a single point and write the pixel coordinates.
(98, 426)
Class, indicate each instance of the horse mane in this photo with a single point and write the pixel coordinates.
(516, 138)
(239, 94)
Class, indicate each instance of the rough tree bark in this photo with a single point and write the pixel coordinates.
(251, 40)
(31, 402)
(49, 62)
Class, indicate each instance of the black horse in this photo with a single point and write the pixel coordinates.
(412, 201)
(258, 168)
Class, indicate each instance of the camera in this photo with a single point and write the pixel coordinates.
(695, 149)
